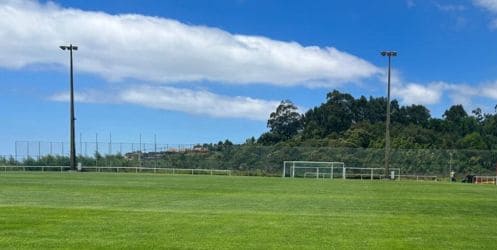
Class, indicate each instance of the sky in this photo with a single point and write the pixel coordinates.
(189, 71)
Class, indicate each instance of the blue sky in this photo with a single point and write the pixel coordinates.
(204, 71)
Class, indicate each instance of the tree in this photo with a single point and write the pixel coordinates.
(414, 114)
(455, 113)
(458, 122)
(269, 138)
(334, 116)
(473, 141)
(286, 121)
(479, 116)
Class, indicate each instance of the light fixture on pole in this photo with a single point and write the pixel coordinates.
(72, 133)
(390, 54)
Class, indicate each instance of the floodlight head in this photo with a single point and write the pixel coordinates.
(389, 53)
(70, 47)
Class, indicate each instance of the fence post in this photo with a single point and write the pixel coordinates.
(15, 153)
(39, 151)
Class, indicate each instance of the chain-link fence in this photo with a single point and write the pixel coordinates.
(250, 158)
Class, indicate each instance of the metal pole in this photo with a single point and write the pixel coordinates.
(96, 142)
(450, 167)
(155, 143)
(140, 152)
(96, 147)
(110, 143)
(110, 149)
(80, 144)
(15, 152)
(73, 145)
(155, 150)
(389, 54)
(387, 133)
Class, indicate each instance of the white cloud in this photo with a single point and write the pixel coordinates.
(489, 90)
(86, 96)
(449, 7)
(432, 93)
(413, 93)
(199, 102)
(164, 50)
(490, 5)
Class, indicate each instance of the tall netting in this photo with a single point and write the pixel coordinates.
(254, 159)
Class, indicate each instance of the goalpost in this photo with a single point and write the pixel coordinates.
(479, 179)
(314, 169)
(332, 170)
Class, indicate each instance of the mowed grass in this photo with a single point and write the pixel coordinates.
(143, 211)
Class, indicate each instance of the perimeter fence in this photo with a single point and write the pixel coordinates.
(251, 159)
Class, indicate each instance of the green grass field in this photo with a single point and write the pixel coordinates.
(142, 211)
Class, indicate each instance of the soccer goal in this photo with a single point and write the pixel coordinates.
(313, 169)
(365, 173)
(333, 170)
(478, 179)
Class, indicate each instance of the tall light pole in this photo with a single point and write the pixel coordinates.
(72, 140)
(390, 54)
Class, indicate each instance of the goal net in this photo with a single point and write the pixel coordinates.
(478, 179)
(371, 173)
(313, 169)
(333, 170)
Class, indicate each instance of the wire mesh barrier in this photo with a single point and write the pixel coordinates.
(119, 170)
(38, 149)
(253, 159)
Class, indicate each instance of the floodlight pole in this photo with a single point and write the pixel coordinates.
(72, 119)
(390, 54)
